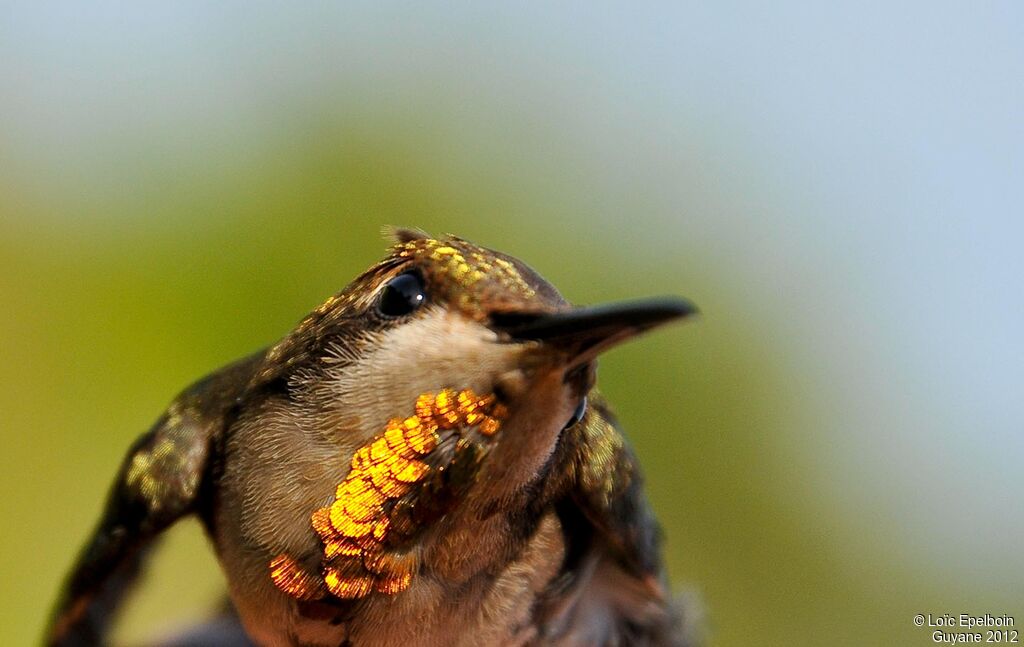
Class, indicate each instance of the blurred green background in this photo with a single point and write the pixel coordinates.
(833, 447)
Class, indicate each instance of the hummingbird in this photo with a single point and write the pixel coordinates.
(423, 460)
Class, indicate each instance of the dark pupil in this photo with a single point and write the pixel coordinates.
(577, 415)
(402, 295)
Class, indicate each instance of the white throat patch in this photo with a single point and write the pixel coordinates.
(438, 349)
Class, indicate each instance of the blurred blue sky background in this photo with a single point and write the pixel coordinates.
(840, 187)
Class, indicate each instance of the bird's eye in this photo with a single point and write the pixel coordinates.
(578, 414)
(402, 295)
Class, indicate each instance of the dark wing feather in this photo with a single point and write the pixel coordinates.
(612, 535)
(160, 480)
(609, 491)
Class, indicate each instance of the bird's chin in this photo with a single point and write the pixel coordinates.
(538, 366)
(541, 402)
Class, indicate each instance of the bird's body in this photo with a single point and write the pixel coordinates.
(415, 464)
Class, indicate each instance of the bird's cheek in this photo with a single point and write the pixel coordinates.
(511, 385)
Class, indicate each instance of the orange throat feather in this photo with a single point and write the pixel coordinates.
(363, 531)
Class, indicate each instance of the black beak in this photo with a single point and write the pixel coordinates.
(586, 332)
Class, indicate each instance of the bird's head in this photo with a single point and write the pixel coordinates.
(449, 371)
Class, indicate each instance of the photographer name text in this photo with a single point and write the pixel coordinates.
(967, 628)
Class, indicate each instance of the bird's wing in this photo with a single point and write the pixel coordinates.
(160, 480)
(608, 489)
(618, 588)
